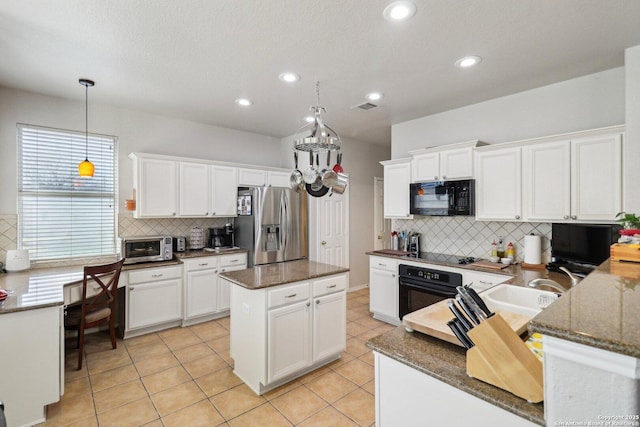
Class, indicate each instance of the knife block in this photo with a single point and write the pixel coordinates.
(502, 359)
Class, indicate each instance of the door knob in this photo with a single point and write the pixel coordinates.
(379, 237)
(324, 243)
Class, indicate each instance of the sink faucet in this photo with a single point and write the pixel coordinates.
(574, 279)
(536, 283)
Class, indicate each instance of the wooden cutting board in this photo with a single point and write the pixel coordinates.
(432, 320)
(491, 265)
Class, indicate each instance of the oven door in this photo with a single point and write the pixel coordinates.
(416, 294)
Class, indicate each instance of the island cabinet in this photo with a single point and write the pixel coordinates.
(282, 332)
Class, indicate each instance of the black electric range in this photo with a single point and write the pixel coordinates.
(443, 258)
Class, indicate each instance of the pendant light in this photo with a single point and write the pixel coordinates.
(86, 168)
(317, 136)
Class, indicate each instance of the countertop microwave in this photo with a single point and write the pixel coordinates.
(442, 198)
(146, 249)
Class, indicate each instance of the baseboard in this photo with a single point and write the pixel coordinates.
(357, 288)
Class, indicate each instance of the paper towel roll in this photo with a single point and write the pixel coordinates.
(532, 249)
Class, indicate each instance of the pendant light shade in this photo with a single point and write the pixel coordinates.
(86, 168)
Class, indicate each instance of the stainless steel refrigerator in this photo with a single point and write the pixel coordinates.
(272, 224)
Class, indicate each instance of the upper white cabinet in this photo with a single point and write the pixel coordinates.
(194, 189)
(596, 177)
(260, 178)
(498, 184)
(397, 177)
(223, 190)
(447, 162)
(156, 183)
(578, 179)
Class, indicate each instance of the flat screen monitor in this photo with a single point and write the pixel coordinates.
(581, 243)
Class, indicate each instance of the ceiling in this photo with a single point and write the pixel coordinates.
(192, 58)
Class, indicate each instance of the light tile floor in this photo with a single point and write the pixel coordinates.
(184, 377)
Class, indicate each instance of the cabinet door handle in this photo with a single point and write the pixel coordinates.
(435, 177)
(206, 213)
(213, 213)
(317, 302)
(517, 216)
(308, 303)
(566, 217)
(323, 243)
(574, 217)
(174, 214)
(157, 275)
(290, 296)
(223, 270)
(393, 275)
(131, 288)
(331, 286)
(444, 177)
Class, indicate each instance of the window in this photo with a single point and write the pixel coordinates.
(60, 214)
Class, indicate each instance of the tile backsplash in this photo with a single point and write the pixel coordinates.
(461, 235)
(127, 226)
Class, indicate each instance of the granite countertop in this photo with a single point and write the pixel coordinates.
(517, 275)
(264, 276)
(194, 253)
(447, 363)
(601, 311)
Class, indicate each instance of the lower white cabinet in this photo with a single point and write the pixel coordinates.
(206, 296)
(154, 299)
(282, 332)
(404, 396)
(383, 289)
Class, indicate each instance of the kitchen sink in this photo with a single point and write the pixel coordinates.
(517, 299)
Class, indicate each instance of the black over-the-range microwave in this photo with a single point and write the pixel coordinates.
(442, 198)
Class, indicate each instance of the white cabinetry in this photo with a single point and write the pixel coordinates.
(260, 178)
(154, 299)
(206, 296)
(498, 184)
(404, 395)
(596, 177)
(282, 332)
(383, 288)
(578, 179)
(397, 177)
(156, 183)
(223, 191)
(448, 162)
(194, 189)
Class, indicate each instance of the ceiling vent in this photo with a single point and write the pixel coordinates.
(366, 106)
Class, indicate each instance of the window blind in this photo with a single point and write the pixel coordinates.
(60, 214)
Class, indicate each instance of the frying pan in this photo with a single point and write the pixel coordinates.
(329, 176)
(295, 179)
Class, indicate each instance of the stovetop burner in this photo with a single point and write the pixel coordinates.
(444, 258)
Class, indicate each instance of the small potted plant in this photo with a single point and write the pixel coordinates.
(630, 223)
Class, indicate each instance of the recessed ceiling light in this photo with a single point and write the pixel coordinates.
(374, 96)
(399, 11)
(289, 77)
(308, 119)
(244, 102)
(468, 61)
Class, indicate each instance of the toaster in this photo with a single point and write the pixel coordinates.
(179, 244)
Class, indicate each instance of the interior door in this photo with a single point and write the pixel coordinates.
(332, 219)
(382, 226)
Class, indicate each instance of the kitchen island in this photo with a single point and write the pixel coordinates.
(287, 319)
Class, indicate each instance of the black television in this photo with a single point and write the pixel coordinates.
(583, 245)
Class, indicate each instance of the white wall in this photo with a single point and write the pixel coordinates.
(587, 102)
(361, 162)
(136, 131)
(632, 130)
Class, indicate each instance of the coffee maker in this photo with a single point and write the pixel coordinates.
(414, 243)
(221, 237)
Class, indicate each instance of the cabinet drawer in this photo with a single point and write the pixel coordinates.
(73, 293)
(153, 274)
(329, 285)
(382, 263)
(232, 260)
(201, 263)
(288, 295)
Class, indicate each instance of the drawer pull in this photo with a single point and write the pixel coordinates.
(234, 260)
(382, 265)
(331, 286)
(157, 275)
(484, 282)
(308, 303)
(317, 301)
(290, 296)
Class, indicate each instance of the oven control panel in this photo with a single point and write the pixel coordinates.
(433, 276)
